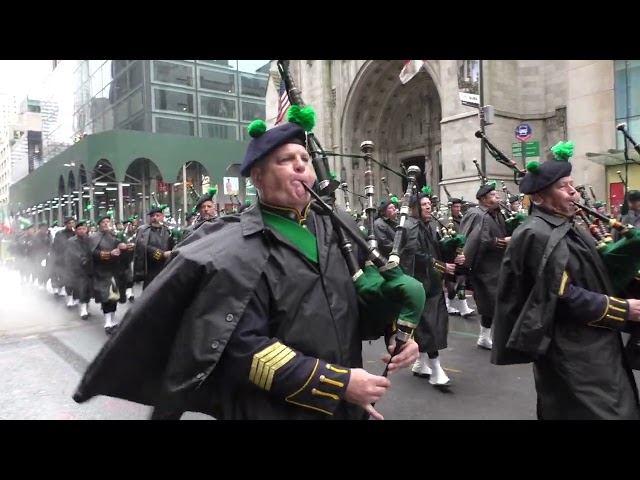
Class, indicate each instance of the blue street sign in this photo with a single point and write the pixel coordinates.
(523, 132)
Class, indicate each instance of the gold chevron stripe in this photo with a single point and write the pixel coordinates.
(266, 362)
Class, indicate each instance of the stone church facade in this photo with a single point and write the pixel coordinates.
(423, 122)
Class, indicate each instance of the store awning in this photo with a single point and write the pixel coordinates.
(613, 157)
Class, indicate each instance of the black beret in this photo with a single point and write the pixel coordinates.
(188, 215)
(545, 174)
(514, 198)
(81, 223)
(270, 140)
(207, 197)
(454, 201)
(384, 204)
(68, 219)
(484, 189)
(104, 217)
(598, 204)
(633, 195)
(155, 210)
(416, 198)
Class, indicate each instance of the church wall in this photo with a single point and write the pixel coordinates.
(560, 99)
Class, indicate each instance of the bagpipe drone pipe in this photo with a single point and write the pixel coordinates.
(389, 299)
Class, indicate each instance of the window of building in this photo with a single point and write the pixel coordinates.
(217, 81)
(253, 111)
(167, 72)
(217, 107)
(627, 95)
(245, 132)
(135, 74)
(254, 86)
(222, 63)
(219, 130)
(173, 101)
(136, 103)
(174, 125)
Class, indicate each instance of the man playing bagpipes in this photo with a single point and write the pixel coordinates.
(205, 210)
(79, 261)
(57, 267)
(556, 306)
(154, 242)
(109, 277)
(456, 284)
(127, 236)
(385, 225)
(41, 248)
(257, 315)
(485, 230)
(421, 252)
(633, 215)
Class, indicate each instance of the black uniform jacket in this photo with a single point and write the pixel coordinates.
(239, 325)
(565, 320)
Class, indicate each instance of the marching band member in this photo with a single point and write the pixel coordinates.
(58, 267)
(154, 242)
(485, 230)
(421, 247)
(262, 320)
(456, 289)
(556, 307)
(385, 225)
(79, 261)
(108, 271)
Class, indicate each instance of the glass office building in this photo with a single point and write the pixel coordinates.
(205, 98)
(99, 118)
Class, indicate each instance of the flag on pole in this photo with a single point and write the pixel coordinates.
(283, 104)
(410, 69)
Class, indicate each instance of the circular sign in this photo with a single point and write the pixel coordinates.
(523, 132)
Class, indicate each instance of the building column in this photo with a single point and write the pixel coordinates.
(92, 213)
(120, 204)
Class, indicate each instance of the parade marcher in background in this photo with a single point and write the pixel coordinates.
(633, 216)
(26, 242)
(108, 270)
(206, 210)
(456, 284)
(600, 207)
(153, 246)
(79, 261)
(514, 203)
(40, 255)
(484, 249)
(385, 225)
(58, 267)
(556, 307)
(421, 250)
(127, 236)
(256, 316)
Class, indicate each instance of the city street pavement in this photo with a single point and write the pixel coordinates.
(45, 347)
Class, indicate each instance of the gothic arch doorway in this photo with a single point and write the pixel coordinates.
(420, 162)
(403, 121)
